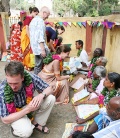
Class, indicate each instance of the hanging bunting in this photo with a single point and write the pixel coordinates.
(89, 23)
(104, 24)
(79, 23)
(60, 23)
(51, 24)
(69, 23)
(110, 25)
(65, 24)
(84, 24)
(99, 24)
(55, 22)
(74, 23)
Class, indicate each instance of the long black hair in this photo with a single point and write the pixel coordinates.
(79, 134)
(114, 77)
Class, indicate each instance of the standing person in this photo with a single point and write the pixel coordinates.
(15, 42)
(25, 38)
(18, 103)
(37, 38)
(52, 35)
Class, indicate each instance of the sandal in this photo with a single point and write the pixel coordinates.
(43, 129)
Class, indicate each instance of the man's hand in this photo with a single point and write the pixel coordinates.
(80, 120)
(43, 53)
(35, 103)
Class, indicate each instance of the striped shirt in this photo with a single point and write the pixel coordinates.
(20, 96)
(111, 131)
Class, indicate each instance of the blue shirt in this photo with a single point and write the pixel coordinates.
(20, 96)
(51, 34)
(111, 131)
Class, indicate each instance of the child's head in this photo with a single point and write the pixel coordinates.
(79, 134)
(113, 108)
(99, 72)
(112, 80)
(98, 52)
(101, 61)
(79, 44)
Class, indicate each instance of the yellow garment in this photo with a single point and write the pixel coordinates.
(32, 60)
(25, 41)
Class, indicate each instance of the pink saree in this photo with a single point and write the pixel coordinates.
(61, 87)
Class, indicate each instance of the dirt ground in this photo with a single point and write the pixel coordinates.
(60, 115)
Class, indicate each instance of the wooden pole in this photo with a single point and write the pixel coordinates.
(104, 37)
(88, 38)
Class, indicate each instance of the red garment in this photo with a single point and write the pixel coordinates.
(16, 51)
(27, 20)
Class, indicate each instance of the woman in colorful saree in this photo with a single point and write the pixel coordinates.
(25, 40)
(15, 42)
(51, 74)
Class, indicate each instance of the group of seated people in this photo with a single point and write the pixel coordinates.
(103, 88)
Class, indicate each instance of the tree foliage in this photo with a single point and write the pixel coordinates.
(84, 7)
(20, 4)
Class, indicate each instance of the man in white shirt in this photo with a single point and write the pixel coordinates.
(82, 54)
(37, 38)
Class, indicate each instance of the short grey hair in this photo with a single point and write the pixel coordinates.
(103, 60)
(100, 71)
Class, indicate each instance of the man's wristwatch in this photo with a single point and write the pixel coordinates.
(44, 95)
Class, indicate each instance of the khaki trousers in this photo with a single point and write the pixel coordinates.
(24, 128)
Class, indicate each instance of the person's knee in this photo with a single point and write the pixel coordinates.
(27, 132)
(52, 99)
(22, 127)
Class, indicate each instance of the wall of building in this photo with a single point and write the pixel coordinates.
(112, 49)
